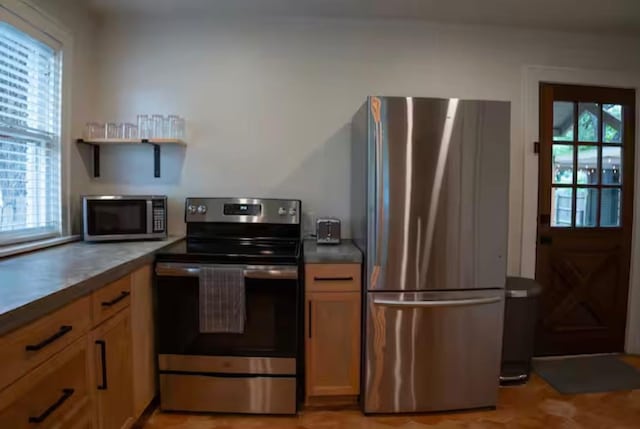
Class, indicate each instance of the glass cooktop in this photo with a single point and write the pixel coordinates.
(229, 250)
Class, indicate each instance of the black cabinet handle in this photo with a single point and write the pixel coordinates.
(64, 330)
(103, 362)
(333, 279)
(309, 319)
(117, 299)
(66, 394)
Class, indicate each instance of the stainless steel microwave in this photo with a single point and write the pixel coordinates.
(124, 217)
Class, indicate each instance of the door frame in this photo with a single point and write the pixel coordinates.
(532, 76)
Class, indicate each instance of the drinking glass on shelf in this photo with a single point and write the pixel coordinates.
(93, 130)
(127, 133)
(171, 126)
(180, 128)
(111, 130)
(144, 126)
(166, 127)
(157, 126)
(132, 132)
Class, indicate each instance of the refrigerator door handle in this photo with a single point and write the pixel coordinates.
(438, 303)
(379, 188)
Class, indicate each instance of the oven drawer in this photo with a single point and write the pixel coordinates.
(253, 394)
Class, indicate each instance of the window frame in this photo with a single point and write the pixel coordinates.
(41, 26)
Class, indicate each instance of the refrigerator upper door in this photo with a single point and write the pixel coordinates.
(438, 194)
(432, 351)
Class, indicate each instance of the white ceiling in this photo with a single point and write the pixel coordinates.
(610, 16)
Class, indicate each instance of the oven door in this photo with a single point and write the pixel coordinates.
(271, 314)
(251, 372)
(117, 218)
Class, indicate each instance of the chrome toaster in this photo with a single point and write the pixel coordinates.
(328, 231)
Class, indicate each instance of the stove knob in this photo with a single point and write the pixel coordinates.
(292, 211)
(202, 209)
(282, 211)
(191, 209)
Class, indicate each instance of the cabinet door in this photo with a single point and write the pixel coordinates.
(111, 375)
(142, 340)
(333, 343)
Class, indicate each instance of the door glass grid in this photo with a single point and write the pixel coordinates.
(587, 165)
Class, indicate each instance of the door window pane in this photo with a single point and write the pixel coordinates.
(610, 207)
(561, 203)
(562, 160)
(588, 165)
(586, 207)
(563, 121)
(612, 123)
(611, 165)
(588, 114)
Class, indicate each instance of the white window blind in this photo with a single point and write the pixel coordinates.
(30, 185)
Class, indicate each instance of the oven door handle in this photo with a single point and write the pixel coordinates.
(170, 269)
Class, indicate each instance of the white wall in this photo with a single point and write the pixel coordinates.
(268, 101)
(75, 17)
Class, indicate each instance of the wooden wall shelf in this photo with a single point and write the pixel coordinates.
(156, 143)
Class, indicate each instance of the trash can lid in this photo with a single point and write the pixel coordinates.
(520, 287)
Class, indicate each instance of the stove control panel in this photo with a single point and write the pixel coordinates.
(242, 210)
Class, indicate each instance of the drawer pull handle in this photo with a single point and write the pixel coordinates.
(103, 363)
(333, 279)
(117, 299)
(66, 394)
(64, 330)
(310, 319)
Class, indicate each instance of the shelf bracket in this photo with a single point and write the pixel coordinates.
(96, 160)
(156, 157)
(95, 155)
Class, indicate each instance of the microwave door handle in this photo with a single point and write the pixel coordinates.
(150, 216)
(437, 303)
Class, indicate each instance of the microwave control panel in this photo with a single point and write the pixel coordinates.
(159, 216)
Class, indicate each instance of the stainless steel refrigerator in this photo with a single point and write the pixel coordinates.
(430, 181)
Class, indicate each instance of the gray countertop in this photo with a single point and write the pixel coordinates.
(344, 253)
(34, 284)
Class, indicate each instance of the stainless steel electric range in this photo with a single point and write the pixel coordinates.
(255, 371)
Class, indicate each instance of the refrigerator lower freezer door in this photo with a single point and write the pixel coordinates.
(432, 351)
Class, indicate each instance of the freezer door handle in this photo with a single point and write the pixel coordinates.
(437, 303)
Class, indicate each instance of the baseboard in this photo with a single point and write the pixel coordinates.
(331, 402)
(146, 414)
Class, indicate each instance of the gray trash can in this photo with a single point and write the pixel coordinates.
(520, 317)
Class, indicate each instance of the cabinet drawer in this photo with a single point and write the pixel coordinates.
(53, 395)
(332, 277)
(29, 346)
(110, 299)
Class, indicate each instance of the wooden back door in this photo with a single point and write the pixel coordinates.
(585, 214)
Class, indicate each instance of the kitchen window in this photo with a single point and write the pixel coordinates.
(30, 136)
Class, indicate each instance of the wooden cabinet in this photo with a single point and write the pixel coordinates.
(58, 373)
(29, 346)
(142, 339)
(111, 372)
(53, 395)
(332, 328)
